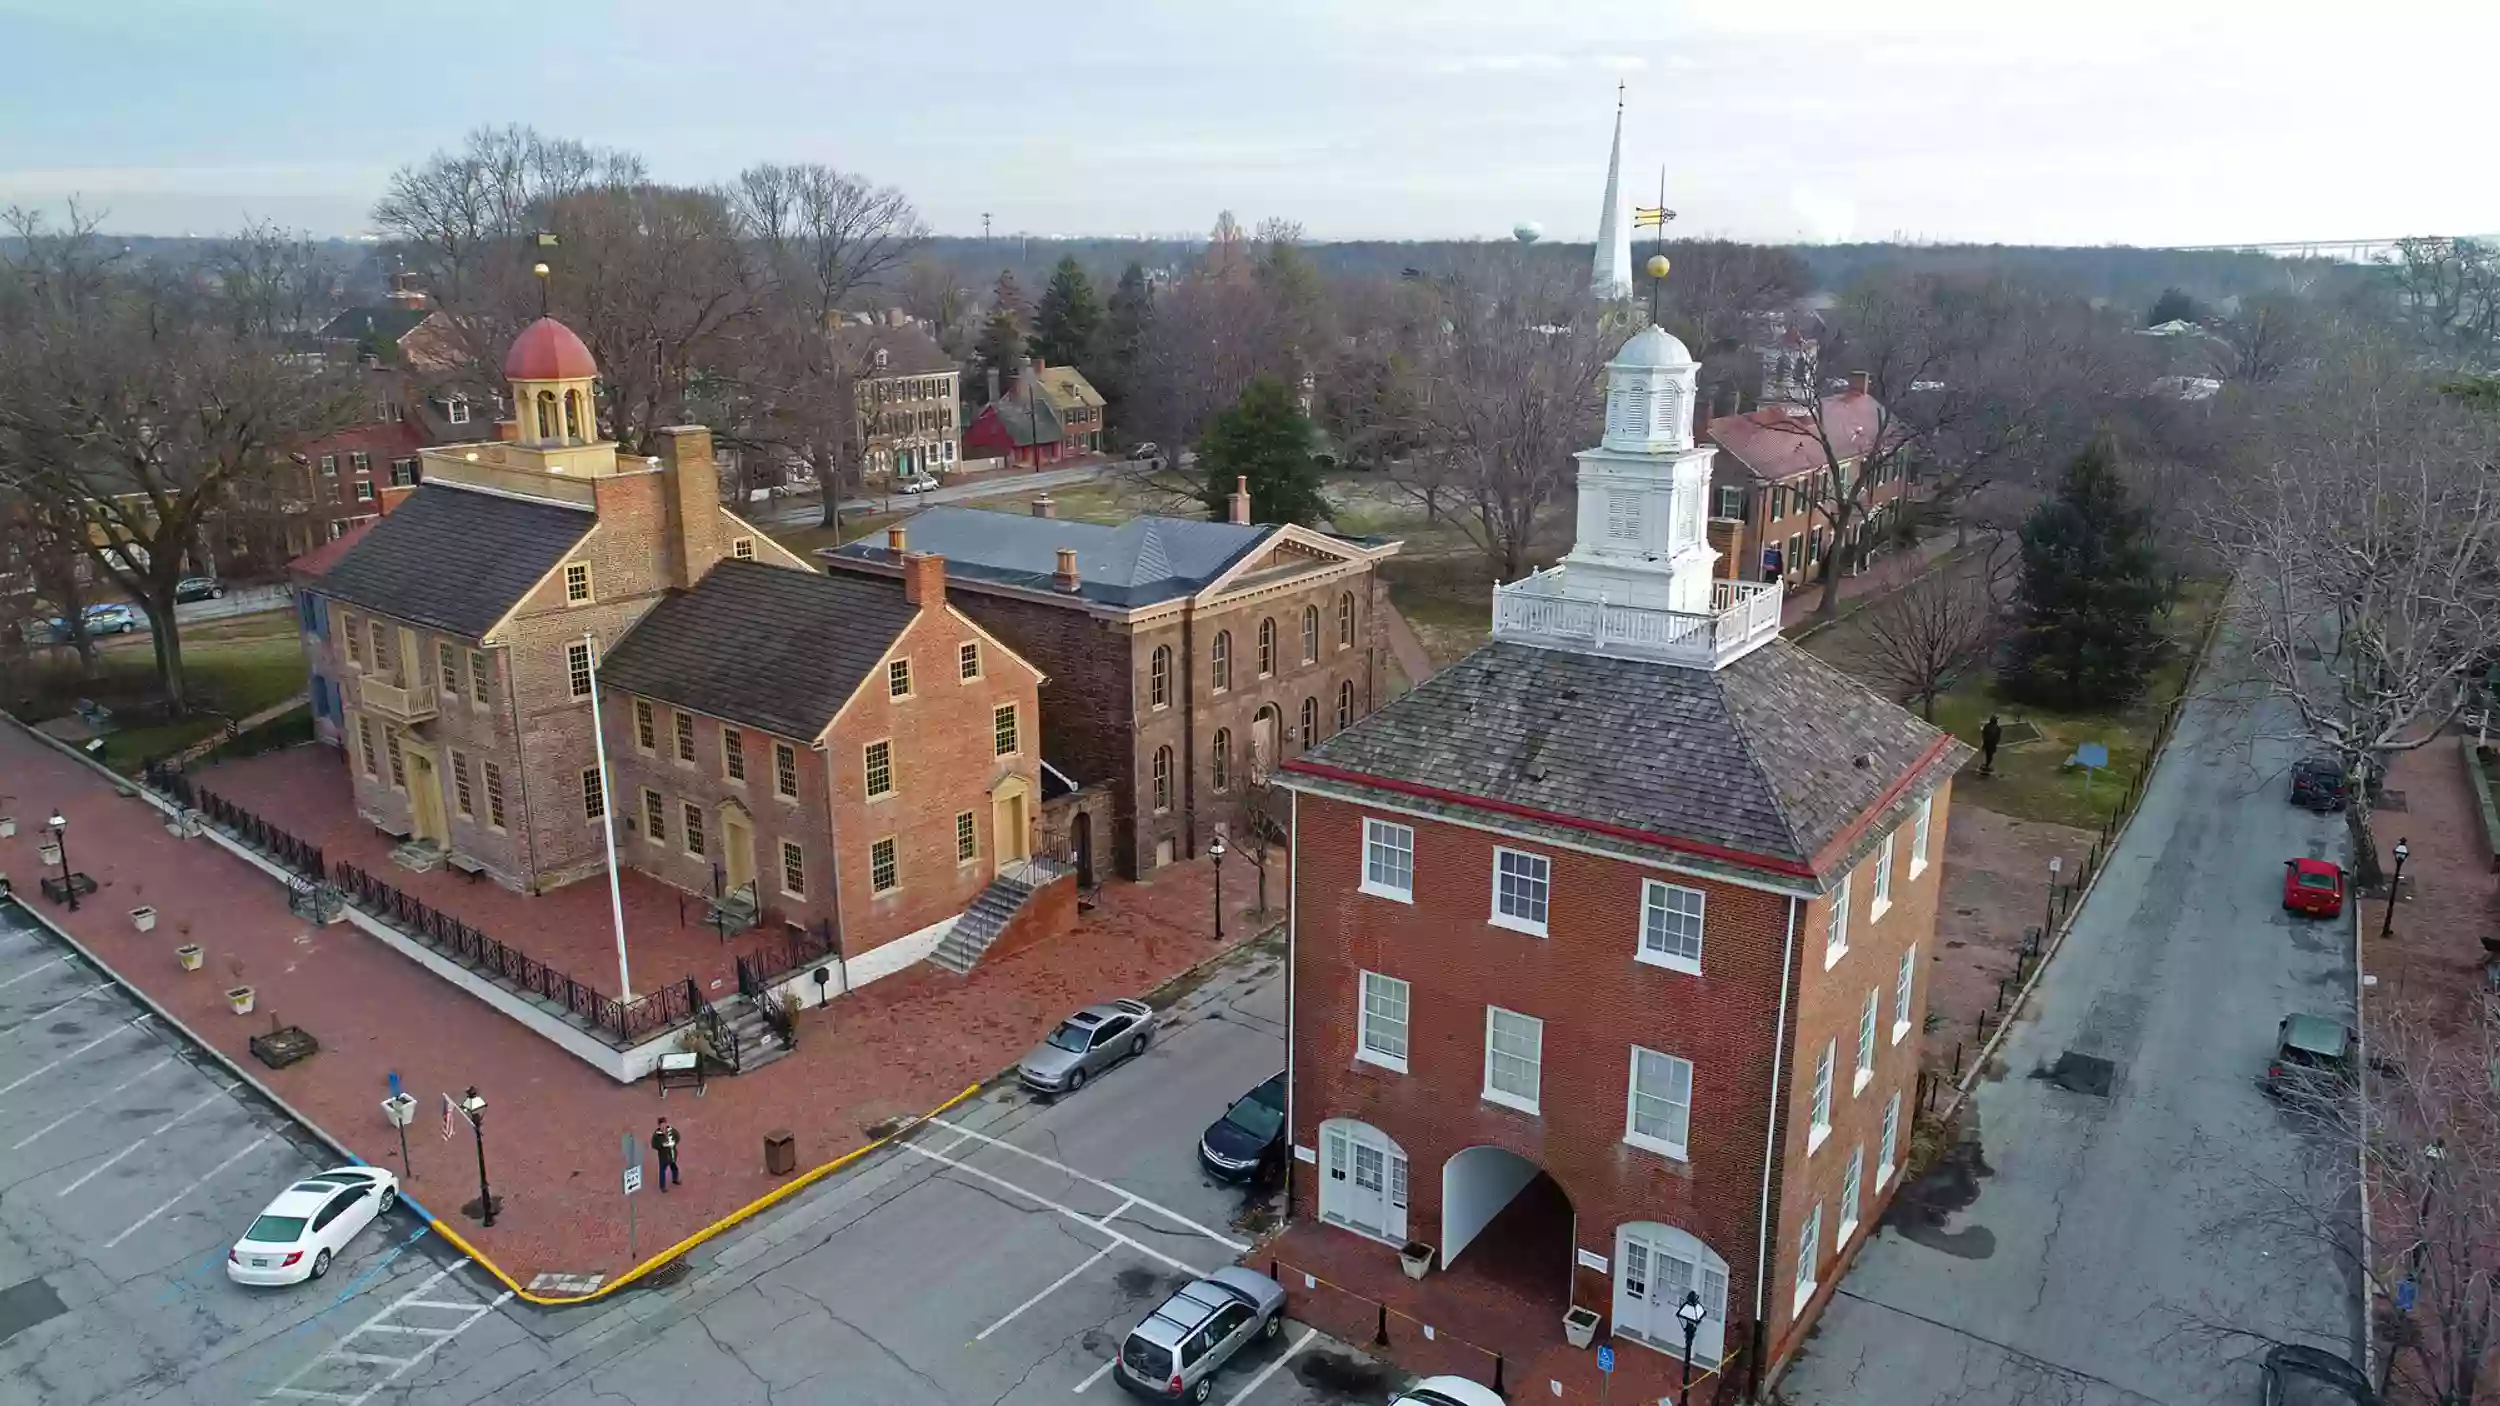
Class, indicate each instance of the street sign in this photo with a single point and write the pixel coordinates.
(2405, 1296)
(633, 1180)
(1605, 1359)
(394, 1083)
(2090, 755)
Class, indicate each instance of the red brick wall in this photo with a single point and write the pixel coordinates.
(705, 782)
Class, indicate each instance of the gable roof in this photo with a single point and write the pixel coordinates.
(1141, 562)
(383, 322)
(312, 565)
(456, 559)
(1757, 441)
(908, 350)
(1028, 418)
(768, 646)
(1757, 763)
(1067, 389)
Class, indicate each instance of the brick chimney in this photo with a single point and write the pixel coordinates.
(1726, 536)
(1237, 507)
(690, 490)
(894, 541)
(1065, 578)
(1044, 507)
(1857, 383)
(924, 579)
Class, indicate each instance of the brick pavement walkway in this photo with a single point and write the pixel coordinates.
(2434, 955)
(889, 1051)
(1894, 569)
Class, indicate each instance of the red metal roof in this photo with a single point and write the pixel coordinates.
(1778, 442)
(547, 350)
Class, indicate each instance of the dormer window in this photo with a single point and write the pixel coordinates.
(456, 410)
(880, 358)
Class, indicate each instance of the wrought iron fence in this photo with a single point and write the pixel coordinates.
(798, 947)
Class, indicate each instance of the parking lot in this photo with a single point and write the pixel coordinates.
(130, 1164)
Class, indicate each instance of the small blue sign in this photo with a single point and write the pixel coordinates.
(394, 1083)
(1605, 1359)
(2405, 1293)
(2090, 754)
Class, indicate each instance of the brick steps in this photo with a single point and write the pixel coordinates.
(990, 913)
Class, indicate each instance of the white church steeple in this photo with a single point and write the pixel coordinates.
(1610, 275)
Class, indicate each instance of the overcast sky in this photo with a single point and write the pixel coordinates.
(2113, 121)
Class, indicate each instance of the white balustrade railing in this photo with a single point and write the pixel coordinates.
(1542, 609)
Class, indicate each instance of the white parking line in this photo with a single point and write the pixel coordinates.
(165, 1126)
(1236, 1246)
(20, 1144)
(30, 971)
(1099, 1373)
(1270, 1369)
(1055, 1286)
(400, 1366)
(1040, 1200)
(313, 1395)
(194, 1186)
(403, 1328)
(1115, 1213)
(74, 1000)
(25, 1079)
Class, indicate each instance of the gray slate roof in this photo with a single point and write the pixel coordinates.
(385, 322)
(772, 647)
(1140, 562)
(455, 559)
(908, 350)
(1760, 757)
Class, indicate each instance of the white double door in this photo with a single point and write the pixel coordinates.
(1363, 1180)
(1655, 1267)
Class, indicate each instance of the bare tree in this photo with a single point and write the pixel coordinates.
(1918, 638)
(2271, 334)
(2449, 291)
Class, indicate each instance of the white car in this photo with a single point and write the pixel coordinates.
(1447, 1391)
(916, 483)
(309, 1224)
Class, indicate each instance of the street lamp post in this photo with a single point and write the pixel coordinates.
(60, 842)
(1690, 1313)
(2393, 885)
(474, 1105)
(1215, 851)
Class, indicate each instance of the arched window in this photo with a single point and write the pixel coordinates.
(573, 418)
(1159, 677)
(1362, 1170)
(1655, 1267)
(1163, 779)
(1345, 620)
(1345, 705)
(1310, 634)
(1220, 671)
(1220, 766)
(549, 429)
(1310, 721)
(1267, 647)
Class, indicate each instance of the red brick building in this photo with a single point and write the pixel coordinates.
(1607, 941)
(1771, 471)
(1051, 414)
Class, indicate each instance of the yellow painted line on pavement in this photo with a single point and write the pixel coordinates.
(762, 1203)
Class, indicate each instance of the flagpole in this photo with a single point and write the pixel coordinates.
(607, 823)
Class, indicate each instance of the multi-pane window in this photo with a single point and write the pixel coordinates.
(1849, 1198)
(1310, 634)
(690, 819)
(1514, 1054)
(577, 667)
(646, 732)
(1891, 1143)
(1382, 1039)
(447, 668)
(1163, 779)
(576, 583)
(1159, 677)
(1819, 1122)
(1003, 740)
(967, 839)
(786, 770)
(399, 763)
(355, 646)
(968, 660)
(1836, 926)
(1267, 647)
(1345, 620)
(1865, 1074)
(793, 869)
(743, 548)
(1671, 926)
(494, 795)
(382, 661)
(1220, 662)
(683, 722)
(1345, 705)
(1918, 834)
(898, 678)
(883, 877)
(1883, 881)
(1904, 984)
(1809, 1251)
(654, 818)
(477, 675)
(1389, 860)
(461, 795)
(594, 794)
(364, 491)
(1310, 722)
(733, 753)
(1660, 1112)
(1521, 882)
(364, 744)
(1220, 762)
(877, 766)
(361, 461)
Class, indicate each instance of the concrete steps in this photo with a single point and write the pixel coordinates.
(990, 913)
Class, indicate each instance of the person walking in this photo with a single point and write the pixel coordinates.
(1989, 736)
(664, 1142)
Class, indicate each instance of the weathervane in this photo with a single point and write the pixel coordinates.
(1655, 217)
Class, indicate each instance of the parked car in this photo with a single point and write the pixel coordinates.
(115, 619)
(915, 483)
(2295, 1375)
(2310, 1047)
(309, 1223)
(198, 588)
(2314, 887)
(1086, 1044)
(1447, 1391)
(1144, 449)
(1247, 1144)
(1175, 1354)
(2318, 783)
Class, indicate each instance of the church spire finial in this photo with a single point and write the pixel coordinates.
(1610, 274)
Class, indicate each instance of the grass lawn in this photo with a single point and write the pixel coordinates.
(235, 666)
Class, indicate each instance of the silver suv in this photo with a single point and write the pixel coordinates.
(1175, 1354)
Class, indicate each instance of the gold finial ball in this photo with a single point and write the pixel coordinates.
(1657, 265)
(540, 269)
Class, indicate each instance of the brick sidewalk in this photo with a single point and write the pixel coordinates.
(2434, 955)
(892, 1050)
(1894, 569)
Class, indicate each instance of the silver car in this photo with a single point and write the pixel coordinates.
(1175, 1354)
(1086, 1044)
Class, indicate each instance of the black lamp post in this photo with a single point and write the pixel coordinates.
(474, 1105)
(60, 843)
(1215, 851)
(1690, 1313)
(2393, 885)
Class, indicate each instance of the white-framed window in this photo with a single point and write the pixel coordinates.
(1891, 1143)
(1865, 1074)
(1904, 985)
(1382, 1038)
(1389, 860)
(594, 793)
(1670, 926)
(1836, 926)
(683, 722)
(1159, 677)
(1819, 1118)
(654, 817)
(877, 768)
(1882, 901)
(330, 465)
(793, 869)
(968, 661)
(1849, 1188)
(456, 410)
(1522, 882)
(576, 583)
(1514, 1058)
(785, 771)
(691, 830)
(884, 875)
(742, 548)
(364, 490)
(898, 678)
(1809, 1251)
(1658, 1111)
(577, 661)
(1731, 501)
(1918, 834)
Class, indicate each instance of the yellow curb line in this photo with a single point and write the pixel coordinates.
(765, 1202)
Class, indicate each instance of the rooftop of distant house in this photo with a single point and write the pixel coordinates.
(908, 350)
(1140, 562)
(1777, 442)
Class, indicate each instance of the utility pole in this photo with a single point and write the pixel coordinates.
(985, 226)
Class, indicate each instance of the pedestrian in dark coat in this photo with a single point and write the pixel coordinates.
(1989, 736)
(664, 1142)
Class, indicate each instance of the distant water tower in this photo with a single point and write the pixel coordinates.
(1527, 231)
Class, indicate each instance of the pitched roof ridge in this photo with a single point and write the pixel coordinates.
(1753, 761)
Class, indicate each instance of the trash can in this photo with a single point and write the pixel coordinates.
(781, 1153)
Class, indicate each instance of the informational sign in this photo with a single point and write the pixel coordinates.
(633, 1180)
(1605, 1359)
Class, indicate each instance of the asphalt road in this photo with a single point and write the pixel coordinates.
(2088, 1250)
(805, 512)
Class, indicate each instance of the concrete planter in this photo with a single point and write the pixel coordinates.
(144, 919)
(1580, 1326)
(240, 998)
(8, 827)
(1415, 1259)
(189, 955)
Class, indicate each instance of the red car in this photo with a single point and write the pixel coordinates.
(2312, 886)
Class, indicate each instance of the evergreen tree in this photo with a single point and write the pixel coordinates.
(2174, 305)
(2091, 583)
(1123, 350)
(1262, 437)
(1067, 330)
(1000, 347)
